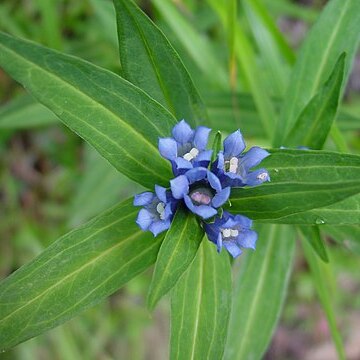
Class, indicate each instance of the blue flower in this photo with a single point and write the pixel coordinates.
(232, 232)
(187, 148)
(201, 190)
(158, 210)
(233, 168)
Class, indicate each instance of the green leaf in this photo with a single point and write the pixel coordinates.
(247, 64)
(200, 307)
(114, 116)
(300, 181)
(345, 212)
(149, 61)
(77, 271)
(275, 53)
(216, 146)
(321, 274)
(311, 166)
(314, 123)
(23, 112)
(335, 32)
(177, 251)
(312, 235)
(197, 45)
(260, 293)
(275, 201)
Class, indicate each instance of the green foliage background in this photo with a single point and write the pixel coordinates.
(248, 77)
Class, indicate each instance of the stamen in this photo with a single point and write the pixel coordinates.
(234, 232)
(226, 233)
(234, 162)
(160, 208)
(263, 176)
(192, 154)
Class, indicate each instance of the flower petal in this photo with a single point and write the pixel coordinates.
(219, 242)
(159, 226)
(203, 211)
(144, 198)
(252, 158)
(201, 137)
(179, 186)
(144, 219)
(243, 221)
(232, 248)
(233, 145)
(196, 174)
(204, 157)
(221, 197)
(182, 164)
(214, 181)
(256, 177)
(161, 193)
(168, 148)
(182, 132)
(247, 239)
(212, 232)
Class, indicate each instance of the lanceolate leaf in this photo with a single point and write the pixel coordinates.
(260, 292)
(313, 236)
(200, 307)
(114, 116)
(314, 123)
(177, 251)
(300, 181)
(196, 44)
(322, 277)
(274, 201)
(77, 271)
(310, 166)
(335, 32)
(345, 212)
(149, 61)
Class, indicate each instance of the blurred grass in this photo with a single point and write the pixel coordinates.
(50, 181)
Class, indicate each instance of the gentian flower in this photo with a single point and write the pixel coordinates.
(158, 210)
(233, 168)
(201, 190)
(232, 232)
(187, 148)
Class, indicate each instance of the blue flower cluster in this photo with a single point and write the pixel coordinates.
(204, 187)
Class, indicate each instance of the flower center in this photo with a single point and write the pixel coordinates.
(263, 176)
(227, 233)
(200, 194)
(232, 165)
(192, 154)
(160, 208)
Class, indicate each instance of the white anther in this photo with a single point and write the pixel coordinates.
(234, 162)
(192, 154)
(263, 176)
(226, 233)
(234, 232)
(160, 208)
(188, 157)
